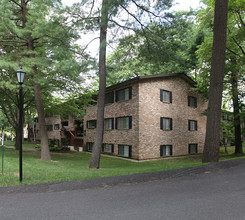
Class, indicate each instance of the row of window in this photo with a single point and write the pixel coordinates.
(167, 150)
(53, 127)
(123, 150)
(167, 124)
(126, 150)
(121, 95)
(126, 94)
(126, 123)
(166, 96)
(120, 123)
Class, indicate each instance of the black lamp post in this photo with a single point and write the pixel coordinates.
(20, 76)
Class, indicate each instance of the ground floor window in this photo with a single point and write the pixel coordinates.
(108, 148)
(89, 146)
(192, 148)
(166, 150)
(124, 150)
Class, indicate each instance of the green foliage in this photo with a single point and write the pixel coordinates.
(64, 141)
(52, 59)
(168, 47)
(235, 47)
(53, 147)
(56, 148)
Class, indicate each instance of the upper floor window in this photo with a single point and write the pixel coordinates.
(109, 123)
(192, 101)
(165, 96)
(192, 148)
(91, 124)
(192, 125)
(166, 123)
(124, 94)
(109, 97)
(166, 150)
(49, 127)
(124, 122)
(56, 127)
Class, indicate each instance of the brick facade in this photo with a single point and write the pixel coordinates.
(146, 109)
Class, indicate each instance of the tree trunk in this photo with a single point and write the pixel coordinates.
(45, 153)
(211, 146)
(17, 138)
(95, 159)
(236, 116)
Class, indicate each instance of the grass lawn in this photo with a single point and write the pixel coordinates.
(74, 166)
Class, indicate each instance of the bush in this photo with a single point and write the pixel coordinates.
(59, 148)
(64, 141)
(38, 146)
(52, 142)
(54, 148)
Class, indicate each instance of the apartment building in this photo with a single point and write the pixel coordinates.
(65, 131)
(150, 117)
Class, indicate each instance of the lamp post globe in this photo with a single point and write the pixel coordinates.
(20, 75)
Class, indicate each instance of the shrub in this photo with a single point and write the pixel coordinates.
(54, 148)
(59, 148)
(64, 141)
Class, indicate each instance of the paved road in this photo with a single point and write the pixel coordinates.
(213, 192)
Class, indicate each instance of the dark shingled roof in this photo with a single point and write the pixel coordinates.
(142, 78)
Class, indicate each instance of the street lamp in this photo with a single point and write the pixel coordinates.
(21, 77)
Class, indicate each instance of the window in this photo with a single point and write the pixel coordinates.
(165, 96)
(56, 127)
(124, 94)
(166, 123)
(109, 123)
(91, 124)
(124, 150)
(108, 148)
(49, 127)
(192, 101)
(109, 98)
(166, 150)
(192, 125)
(124, 122)
(89, 146)
(192, 148)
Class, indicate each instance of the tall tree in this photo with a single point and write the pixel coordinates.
(139, 13)
(235, 65)
(211, 147)
(95, 160)
(34, 34)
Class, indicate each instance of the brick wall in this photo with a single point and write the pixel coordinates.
(54, 133)
(146, 109)
(151, 109)
(115, 110)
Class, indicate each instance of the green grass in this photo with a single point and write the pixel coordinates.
(74, 166)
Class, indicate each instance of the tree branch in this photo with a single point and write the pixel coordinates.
(16, 3)
(240, 47)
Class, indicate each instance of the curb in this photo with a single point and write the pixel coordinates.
(119, 180)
